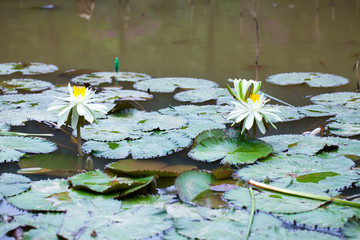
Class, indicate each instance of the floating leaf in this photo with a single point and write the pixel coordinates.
(118, 94)
(332, 215)
(4, 127)
(287, 113)
(106, 220)
(158, 201)
(155, 145)
(12, 147)
(309, 172)
(51, 195)
(271, 201)
(191, 183)
(319, 110)
(310, 78)
(12, 184)
(224, 225)
(170, 84)
(234, 149)
(291, 234)
(199, 95)
(344, 129)
(98, 78)
(336, 98)
(100, 182)
(27, 69)
(148, 167)
(33, 85)
(352, 229)
(351, 117)
(46, 226)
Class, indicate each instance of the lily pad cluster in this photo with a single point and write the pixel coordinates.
(343, 106)
(312, 79)
(98, 78)
(27, 68)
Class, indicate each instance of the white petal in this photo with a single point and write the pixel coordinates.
(89, 116)
(257, 116)
(65, 111)
(80, 109)
(74, 119)
(249, 121)
(261, 126)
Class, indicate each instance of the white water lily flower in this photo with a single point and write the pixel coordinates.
(254, 110)
(242, 86)
(79, 104)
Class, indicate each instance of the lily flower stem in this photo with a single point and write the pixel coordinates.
(304, 195)
(252, 212)
(78, 128)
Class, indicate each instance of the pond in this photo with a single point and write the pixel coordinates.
(182, 42)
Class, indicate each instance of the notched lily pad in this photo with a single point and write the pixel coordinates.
(98, 78)
(105, 219)
(191, 183)
(336, 98)
(27, 68)
(118, 94)
(310, 78)
(25, 84)
(233, 149)
(12, 184)
(167, 85)
(13, 147)
(344, 129)
(100, 182)
(201, 95)
(148, 167)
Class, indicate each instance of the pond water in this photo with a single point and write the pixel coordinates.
(207, 39)
(214, 40)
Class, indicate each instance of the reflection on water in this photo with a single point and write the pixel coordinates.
(215, 40)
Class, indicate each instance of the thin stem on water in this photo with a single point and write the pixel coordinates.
(302, 194)
(257, 39)
(78, 128)
(252, 213)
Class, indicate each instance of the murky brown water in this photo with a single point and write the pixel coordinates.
(215, 40)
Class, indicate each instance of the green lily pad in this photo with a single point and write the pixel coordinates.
(344, 129)
(291, 234)
(118, 94)
(148, 167)
(13, 147)
(199, 95)
(272, 202)
(105, 219)
(167, 85)
(233, 149)
(4, 127)
(332, 215)
(308, 172)
(287, 113)
(350, 117)
(220, 224)
(156, 145)
(100, 182)
(98, 78)
(311, 145)
(33, 85)
(336, 98)
(158, 201)
(191, 183)
(51, 195)
(319, 110)
(46, 226)
(13, 184)
(352, 229)
(27, 69)
(310, 78)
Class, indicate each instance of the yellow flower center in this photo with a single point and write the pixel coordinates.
(254, 97)
(79, 90)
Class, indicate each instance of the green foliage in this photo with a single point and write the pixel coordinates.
(98, 78)
(13, 147)
(27, 69)
(310, 78)
(12, 184)
(229, 149)
(167, 85)
(33, 85)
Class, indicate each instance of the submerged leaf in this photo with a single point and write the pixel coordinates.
(310, 78)
(148, 167)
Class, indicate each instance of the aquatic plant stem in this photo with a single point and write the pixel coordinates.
(257, 39)
(78, 135)
(25, 134)
(252, 212)
(356, 68)
(302, 194)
